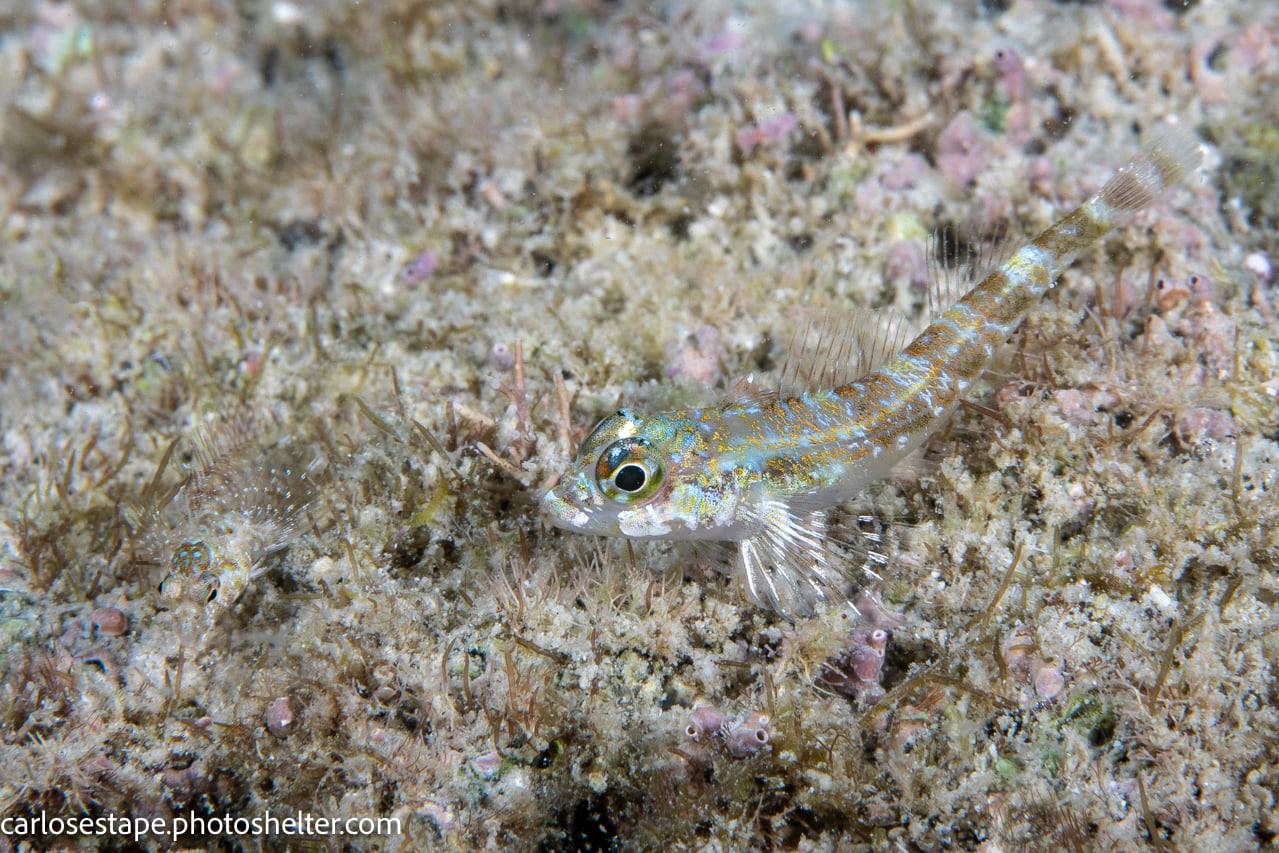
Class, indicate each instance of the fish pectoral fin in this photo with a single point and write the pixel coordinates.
(791, 564)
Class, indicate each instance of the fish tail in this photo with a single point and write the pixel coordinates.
(1007, 293)
(962, 340)
(1169, 154)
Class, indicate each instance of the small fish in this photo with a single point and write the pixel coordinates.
(233, 513)
(763, 468)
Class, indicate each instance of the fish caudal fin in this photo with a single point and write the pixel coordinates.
(1170, 153)
(1168, 156)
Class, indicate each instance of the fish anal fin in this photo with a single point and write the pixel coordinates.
(912, 467)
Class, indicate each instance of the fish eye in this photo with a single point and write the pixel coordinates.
(628, 470)
(630, 477)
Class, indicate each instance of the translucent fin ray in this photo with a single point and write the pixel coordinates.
(958, 259)
(828, 351)
(748, 389)
(1169, 154)
(793, 563)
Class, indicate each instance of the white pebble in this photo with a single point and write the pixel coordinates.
(1260, 264)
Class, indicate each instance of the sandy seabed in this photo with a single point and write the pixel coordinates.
(303, 303)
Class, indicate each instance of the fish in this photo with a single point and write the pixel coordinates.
(234, 512)
(761, 469)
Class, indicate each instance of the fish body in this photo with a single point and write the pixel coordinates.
(762, 469)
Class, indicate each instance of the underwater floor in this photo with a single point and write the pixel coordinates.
(304, 304)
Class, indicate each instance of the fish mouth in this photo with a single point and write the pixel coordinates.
(563, 513)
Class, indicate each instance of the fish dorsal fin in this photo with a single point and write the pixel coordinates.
(831, 348)
(959, 258)
(749, 389)
(828, 350)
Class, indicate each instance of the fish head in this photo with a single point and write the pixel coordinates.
(627, 479)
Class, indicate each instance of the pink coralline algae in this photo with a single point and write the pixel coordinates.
(109, 621)
(280, 717)
(769, 132)
(487, 766)
(420, 268)
(1203, 423)
(875, 195)
(1073, 406)
(1041, 176)
(1254, 48)
(992, 209)
(869, 198)
(1047, 678)
(682, 89)
(905, 173)
(1080, 407)
(1158, 338)
(962, 150)
(698, 357)
(1188, 237)
(628, 109)
(1212, 333)
(906, 262)
(668, 101)
(252, 362)
(718, 45)
(1043, 675)
(1149, 14)
(1211, 87)
(1011, 72)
